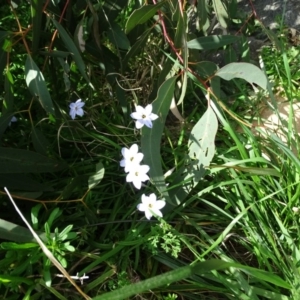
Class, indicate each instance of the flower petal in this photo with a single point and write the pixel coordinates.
(153, 117)
(137, 183)
(135, 115)
(72, 113)
(157, 212)
(159, 204)
(148, 123)
(125, 152)
(140, 110)
(139, 124)
(148, 214)
(148, 109)
(134, 149)
(80, 112)
(141, 207)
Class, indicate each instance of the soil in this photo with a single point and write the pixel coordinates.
(270, 12)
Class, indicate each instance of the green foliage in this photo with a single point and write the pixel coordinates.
(229, 228)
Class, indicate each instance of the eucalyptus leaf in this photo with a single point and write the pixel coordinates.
(246, 71)
(151, 137)
(95, 179)
(24, 161)
(70, 45)
(211, 42)
(16, 233)
(142, 15)
(37, 85)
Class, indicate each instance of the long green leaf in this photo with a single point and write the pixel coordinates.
(37, 85)
(36, 14)
(184, 272)
(70, 45)
(211, 42)
(142, 15)
(24, 161)
(151, 138)
(22, 182)
(16, 233)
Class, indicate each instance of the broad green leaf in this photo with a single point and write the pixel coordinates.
(16, 233)
(37, 85)
(97, 177)
(202, 144)
(151, 137)
(201, 151)
(24, 161)
(211, 42)
(246, 71)
(70, 45)
(205, 68)
(117, 37)
(22, 182)
(142, 15)
(221, 12)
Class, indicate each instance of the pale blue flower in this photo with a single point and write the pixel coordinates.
(13, 119)
(76, 108)
(143, 116)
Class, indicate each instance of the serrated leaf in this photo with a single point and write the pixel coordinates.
(24, 161)
(70, 45)
(97, 177)
(246, 71)
(37, 85)
(151, 137)
(211, 42)
(142, 15)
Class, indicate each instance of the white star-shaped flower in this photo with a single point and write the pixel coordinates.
(143, 116)
(76, 108)
(137, 175)
(131, 157)
(151, 206)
